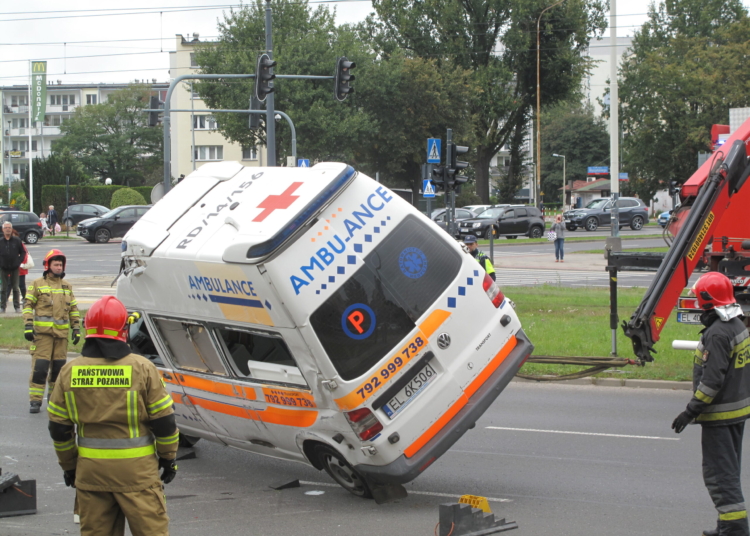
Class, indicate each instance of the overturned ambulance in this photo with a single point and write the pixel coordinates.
(311, 314)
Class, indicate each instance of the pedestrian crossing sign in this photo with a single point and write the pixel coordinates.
(303, 162)
(428, 190)
(433, 150)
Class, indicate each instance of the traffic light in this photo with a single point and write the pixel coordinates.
(341, 87)
(254, 122)
(673, 187)
(154, 117)
(264, 77)
(438, 177)
(456, 166)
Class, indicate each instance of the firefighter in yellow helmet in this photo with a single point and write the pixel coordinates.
(50, 311)
(115, 403)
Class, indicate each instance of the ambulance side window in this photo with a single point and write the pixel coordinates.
(141, 342)
(190, 346)
(260, 356)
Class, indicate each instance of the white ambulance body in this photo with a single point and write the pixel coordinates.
(311, 314)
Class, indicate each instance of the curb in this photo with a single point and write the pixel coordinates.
(621, 382)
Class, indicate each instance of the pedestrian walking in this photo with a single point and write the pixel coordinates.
(119, 399)
(43, 220)
(23, 270)
(51, 219)
(721, 400)
(50, 311)
(12, 253)
(483, 260)
(559, 229)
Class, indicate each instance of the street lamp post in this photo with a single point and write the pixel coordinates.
(563, 183)
(538, 108)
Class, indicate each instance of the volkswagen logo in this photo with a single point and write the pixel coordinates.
(443, 341)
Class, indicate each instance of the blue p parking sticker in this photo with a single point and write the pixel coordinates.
(358, 321)
(413, 262)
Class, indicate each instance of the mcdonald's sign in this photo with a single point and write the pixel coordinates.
(38, 90)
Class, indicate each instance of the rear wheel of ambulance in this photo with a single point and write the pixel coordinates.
(343, 473)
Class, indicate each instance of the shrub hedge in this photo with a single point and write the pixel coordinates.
(126, 196)
(97, 195)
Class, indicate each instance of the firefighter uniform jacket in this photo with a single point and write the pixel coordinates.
(51, 306)
(486, 263)
(111, 402)
(721, 374)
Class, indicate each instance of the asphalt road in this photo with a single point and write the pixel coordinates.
(84, 259)
(559, 460)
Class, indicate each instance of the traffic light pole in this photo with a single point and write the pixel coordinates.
(270, 119)
(452, 196)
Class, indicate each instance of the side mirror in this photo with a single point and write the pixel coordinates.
(116, 218)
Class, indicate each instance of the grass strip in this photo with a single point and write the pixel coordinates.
(568, 239)
(563, 321)
(653, 250)
(11, 334)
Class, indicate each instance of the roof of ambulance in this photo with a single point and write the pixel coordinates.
(222, 210)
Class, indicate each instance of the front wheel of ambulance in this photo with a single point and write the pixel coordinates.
(343, 473)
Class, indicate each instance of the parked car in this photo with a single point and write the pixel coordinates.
(664, 218)
(113, 224)
(5, 207)
(27, 224)
(510, 221)
(75, 214)
(440, 216)
(597, 213)
(476, 209)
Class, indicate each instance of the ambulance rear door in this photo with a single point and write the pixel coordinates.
(220, 401)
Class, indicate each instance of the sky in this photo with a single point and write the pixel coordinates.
(89, 42)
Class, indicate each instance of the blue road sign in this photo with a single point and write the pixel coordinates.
(303, 162)
(428, 190)
(598, 170)
(433, 150)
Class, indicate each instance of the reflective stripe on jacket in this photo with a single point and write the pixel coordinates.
(721, 374)
(51, 306)
(111, 402)
(485, 262)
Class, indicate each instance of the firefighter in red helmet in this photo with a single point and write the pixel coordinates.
(50, 312)
(115, 403)
(721, 400)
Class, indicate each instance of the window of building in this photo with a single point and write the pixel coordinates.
(53, 120)
(260, 356)
(190, 346)
(62, 100)
(20, 122)
(209, 152)
(19, 100)
(19, 169)
(249, 153)
(33, 145)
(20, 145)
(90, 99)
(204, 122)
(193, 63)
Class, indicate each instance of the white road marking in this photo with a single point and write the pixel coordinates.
(411, 492)
(581, 433)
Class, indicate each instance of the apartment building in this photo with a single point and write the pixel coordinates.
(62, 101)
(195, 138)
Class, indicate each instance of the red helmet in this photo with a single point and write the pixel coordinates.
(713, 289)
(54, 255)
(107, 319)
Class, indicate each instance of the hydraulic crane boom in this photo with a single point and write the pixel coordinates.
(709, 202)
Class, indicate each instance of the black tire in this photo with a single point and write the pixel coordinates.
(636, 223)
(511, 237)
(31, 237)
(571, 227)
(187, 441)
(591, 224)
(490, 230)
(536, 232)
(343, 473)
(101, 236)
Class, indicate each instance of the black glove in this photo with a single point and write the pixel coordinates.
(70, 478)
(76, 336)
(682, 420)
(28, 332)
(170, 470)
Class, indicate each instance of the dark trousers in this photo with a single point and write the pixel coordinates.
(559, 252)
(9, 280)
(722, 461)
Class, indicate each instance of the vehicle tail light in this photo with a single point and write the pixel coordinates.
(38, 224)
(494, 293)
(687, 303)
(364, 423)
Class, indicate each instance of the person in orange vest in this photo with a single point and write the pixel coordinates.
(50, 311)
(113, 427)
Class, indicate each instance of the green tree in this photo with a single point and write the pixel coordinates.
(126, 196)
(495, 40)
(52, 170)
(572, 130)
(688, 66)
(113, 139)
